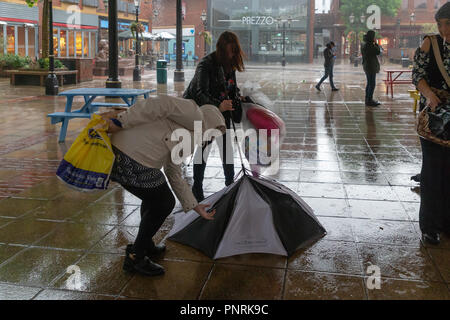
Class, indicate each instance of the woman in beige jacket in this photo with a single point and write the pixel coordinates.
(145, 138)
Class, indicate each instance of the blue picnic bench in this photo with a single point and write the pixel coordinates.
(129, 97)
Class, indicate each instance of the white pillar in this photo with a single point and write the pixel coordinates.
(36, 41)
(82, 44)
(5, 43)
(26, 41)
(58, 37)
(89, 45)
(16, 40)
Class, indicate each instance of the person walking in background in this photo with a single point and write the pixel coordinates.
(370, 51)
(434, 214)
(329, 56)
(214, 83)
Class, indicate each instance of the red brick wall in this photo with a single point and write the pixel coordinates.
(167, 18)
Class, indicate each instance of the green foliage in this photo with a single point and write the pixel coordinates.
(207, 36)
(31, 3)
(359, 7)
(45, 25)
(44, 63)
(137, 27)
(12, 61)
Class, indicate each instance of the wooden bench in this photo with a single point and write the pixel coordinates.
(17, 75)
(416, 96)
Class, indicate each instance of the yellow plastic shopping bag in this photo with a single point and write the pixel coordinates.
(87, 164)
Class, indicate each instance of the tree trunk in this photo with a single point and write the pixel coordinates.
(45, 29)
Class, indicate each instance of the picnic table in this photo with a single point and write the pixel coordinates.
(394, 77)
(128, 96)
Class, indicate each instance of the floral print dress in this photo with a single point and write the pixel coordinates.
(420, 66)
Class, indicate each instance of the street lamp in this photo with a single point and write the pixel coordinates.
(203, 17)
(279, 21)
(412, 23)
(351, 18)
(137, 71)
(51, 83)
(362, 18)
(113, 42)
(179, 72)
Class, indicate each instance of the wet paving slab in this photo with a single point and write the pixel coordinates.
(350, 163)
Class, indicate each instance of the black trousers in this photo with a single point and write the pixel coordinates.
(434, 215)
(328, 73)
(370, 87)
(226, 148)
(157, 204)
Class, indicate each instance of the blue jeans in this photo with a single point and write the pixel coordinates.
(328, 73)
(370, 87)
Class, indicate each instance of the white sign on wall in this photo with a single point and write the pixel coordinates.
(258, 20)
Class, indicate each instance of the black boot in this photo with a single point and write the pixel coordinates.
(198, 192)
(416, 178)
(154, 252)
(142, 265)
(431, 238)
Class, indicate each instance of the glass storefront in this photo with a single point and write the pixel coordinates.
(18, 39)
(21, 39)
(260, 25)
(10, 39)
(74, 43)
(63, 43)
(2, 38)
(71, 43)
(32, 33)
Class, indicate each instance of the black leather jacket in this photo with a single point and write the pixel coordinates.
(209, 83)
(370, 51)
(329, 57)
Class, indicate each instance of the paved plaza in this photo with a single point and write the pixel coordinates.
(350, 163)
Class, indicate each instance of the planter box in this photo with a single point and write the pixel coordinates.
(84, 66)
(38, 76)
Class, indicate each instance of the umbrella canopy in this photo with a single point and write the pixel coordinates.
(164, 36)
(253, 215)
(127, 34)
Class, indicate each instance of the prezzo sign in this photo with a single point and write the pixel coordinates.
(258, 20)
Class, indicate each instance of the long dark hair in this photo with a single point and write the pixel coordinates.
(237, 62)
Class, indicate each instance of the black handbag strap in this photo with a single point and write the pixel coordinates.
(438, 57)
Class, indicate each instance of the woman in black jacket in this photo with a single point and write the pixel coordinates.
(214, 83)
(370, 51)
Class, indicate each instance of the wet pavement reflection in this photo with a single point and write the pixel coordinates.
(350, 163)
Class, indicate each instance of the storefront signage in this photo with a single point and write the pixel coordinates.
(258, 20)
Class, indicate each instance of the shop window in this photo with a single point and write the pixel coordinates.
(10, 40)
(21, 41)
(86, 44)
(71, 44)
(62, 43)
(92, 45)
(31, 42)
(55, 41)
(78, 41)
(2, 40)
(420, 4)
